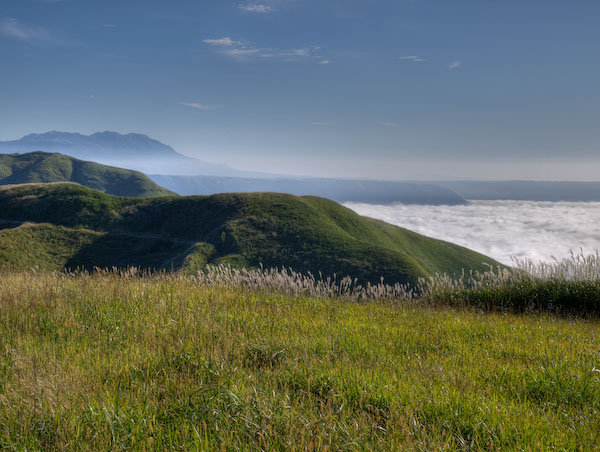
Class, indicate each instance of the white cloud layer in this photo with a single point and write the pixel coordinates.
(501, 229)
(454, 64)
(222, 42)
(243, 51)
(413, 58)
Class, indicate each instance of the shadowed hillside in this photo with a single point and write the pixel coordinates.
(305, 233)
(43, 167)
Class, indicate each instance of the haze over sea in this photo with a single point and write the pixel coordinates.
(539, 231)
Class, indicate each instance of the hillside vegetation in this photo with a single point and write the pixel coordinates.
(109, 362)
(43, 167)
(307, 234)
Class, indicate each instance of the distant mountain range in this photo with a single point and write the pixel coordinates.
(56, 226)
(189, 176)
(195, 177)
(133, 151)
(523, 190)
(36, 167)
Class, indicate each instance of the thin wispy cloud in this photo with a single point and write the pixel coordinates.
(454, 64)
(321, 124)
(222, 42)
(12, 28)
(247, 52)
(389, 124)
(256, 8)
(301, 52)
(16, 30)
(325, 62)
(243, 51)
(412, 58)
(197, 106)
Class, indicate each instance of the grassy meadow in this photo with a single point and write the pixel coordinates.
(116, 362)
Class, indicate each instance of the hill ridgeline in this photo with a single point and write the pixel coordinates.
(66, 226)
(43, 167)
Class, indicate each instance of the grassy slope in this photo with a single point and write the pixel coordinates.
(42, 246)
(42, 167)
(106, 364)
(306, 233)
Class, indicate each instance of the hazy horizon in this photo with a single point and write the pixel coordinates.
(377, 89)
(320, 172)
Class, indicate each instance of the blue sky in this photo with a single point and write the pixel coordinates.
(411, 89)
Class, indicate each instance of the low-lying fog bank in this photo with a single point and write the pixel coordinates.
(501, 229)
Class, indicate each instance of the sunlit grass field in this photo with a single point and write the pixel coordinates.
(114, 363)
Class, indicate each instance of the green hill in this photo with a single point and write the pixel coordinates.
(88, 228)
(43, 167)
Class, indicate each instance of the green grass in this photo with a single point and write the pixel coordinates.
(42, 246)
(559, 296)
(49, 247)
(107, 363)
(569, 287)
(44, 167)
(306, 233)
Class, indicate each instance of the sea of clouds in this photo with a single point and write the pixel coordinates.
(500, 229)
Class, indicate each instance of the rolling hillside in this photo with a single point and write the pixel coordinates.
(43, 167)
(88, 228)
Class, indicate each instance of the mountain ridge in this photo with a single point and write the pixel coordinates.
(525, 190)
(193, 177)
(133, 151)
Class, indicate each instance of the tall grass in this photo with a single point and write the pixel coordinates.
(568, 286)
(131, 361)
(290, 282)
(577, 267)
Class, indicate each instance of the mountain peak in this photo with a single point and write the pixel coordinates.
(51, 135)
(99, 145)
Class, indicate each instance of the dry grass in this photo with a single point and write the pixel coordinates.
(570, 286)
